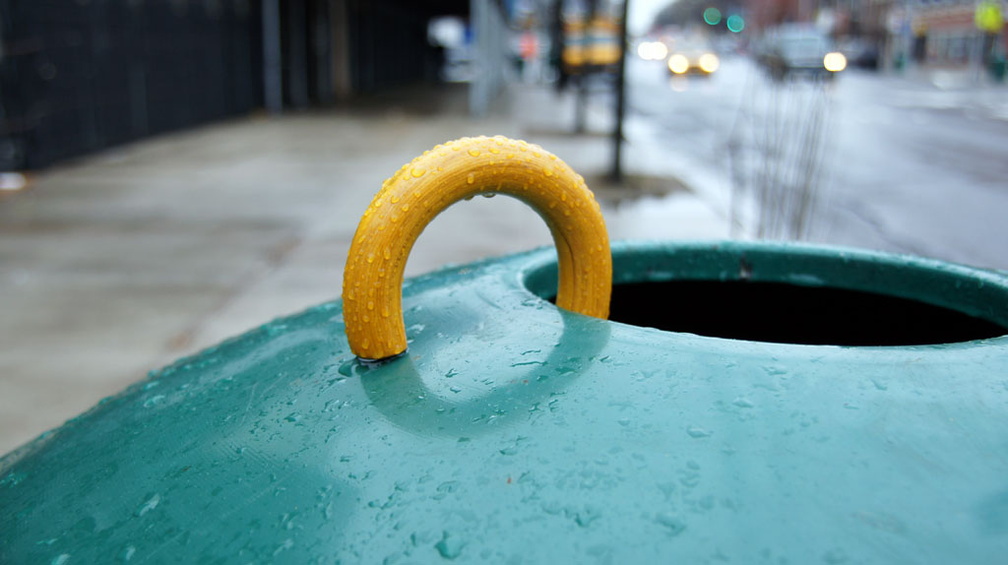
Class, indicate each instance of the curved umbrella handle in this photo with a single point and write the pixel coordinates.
(420, 190)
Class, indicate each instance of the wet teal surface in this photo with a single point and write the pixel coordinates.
(516, 432)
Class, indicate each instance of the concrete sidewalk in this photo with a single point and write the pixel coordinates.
(122, 262)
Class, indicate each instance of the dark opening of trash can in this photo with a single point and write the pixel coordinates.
(798, 294)
(788, 313)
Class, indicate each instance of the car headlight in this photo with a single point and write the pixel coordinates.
(660, 51)
(678, 63)
(834, 62)
(652, 50)
(709, 62)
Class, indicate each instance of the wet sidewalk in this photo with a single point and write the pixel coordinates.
(121, 262)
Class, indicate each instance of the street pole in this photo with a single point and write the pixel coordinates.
(580, 107)
(272, 57)
(617, 166)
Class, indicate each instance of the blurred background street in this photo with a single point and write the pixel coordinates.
(174, 172)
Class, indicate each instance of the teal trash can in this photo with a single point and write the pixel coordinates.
(744, 402)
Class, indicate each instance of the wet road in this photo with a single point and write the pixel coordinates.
(913, 164)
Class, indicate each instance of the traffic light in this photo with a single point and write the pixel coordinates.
(735, 23)
(712, 16)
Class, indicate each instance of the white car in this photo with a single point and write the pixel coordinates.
(799, 49)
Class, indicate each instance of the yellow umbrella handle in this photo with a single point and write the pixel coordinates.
(409, 200)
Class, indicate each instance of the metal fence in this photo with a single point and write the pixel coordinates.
(78, 76)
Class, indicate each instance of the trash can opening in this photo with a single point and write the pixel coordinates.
(799, 294)
(789, 313)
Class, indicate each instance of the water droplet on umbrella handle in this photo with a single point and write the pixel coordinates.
(423, 188)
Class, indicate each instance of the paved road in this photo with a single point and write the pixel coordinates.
(912, 164)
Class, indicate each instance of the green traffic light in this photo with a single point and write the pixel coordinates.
(712, 16)
(735, 23)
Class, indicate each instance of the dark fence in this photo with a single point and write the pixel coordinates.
(388, 44)
(78, 76)
(81, 75)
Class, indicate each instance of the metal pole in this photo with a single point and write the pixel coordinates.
(297, 54)
(582, 76)
(617, 168)
(478, 86)
(272, 73)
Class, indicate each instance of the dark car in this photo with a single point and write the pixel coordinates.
(799, 49)
(860, 53)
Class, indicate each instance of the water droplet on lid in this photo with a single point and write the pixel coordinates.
(474, 152)
(13, 479)
(450, 547)
(151, 504)
(697, 432)
(471, 178)
(346, 369)
(743, 402)
(673, 525)
(417, 173)
(275, 329)
(586, 516)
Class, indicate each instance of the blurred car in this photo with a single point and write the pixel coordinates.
(692, 55)
(799, 49)
(861, 53)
